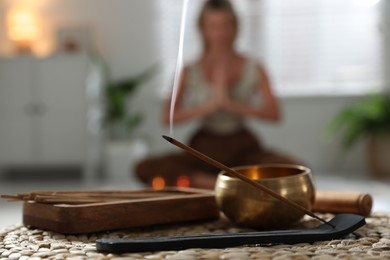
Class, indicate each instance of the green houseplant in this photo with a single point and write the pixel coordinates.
(120, 119)
(370, 119)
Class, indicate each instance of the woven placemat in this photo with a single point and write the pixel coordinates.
(369, 242)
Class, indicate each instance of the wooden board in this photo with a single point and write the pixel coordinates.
(149, 207)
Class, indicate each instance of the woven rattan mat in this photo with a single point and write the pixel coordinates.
(369, 242)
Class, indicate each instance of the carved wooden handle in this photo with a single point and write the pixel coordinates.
(342, 202)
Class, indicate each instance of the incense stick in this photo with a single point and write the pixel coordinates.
(62, 197)
(223, 167)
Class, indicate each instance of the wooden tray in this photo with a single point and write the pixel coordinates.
(147, 207)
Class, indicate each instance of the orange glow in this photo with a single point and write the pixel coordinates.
(43, 48)
(23, 25)
(158, 183)
(183, 181)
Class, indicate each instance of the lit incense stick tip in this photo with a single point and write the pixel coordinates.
(169, 139)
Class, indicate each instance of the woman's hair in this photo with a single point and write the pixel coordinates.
(217, 5)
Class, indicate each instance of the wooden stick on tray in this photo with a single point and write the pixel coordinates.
(85, 196)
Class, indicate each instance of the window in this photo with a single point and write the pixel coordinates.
(310, 47)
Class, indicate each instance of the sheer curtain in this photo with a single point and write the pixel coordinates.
(310, 47)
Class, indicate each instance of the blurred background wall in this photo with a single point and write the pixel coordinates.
(126, 34)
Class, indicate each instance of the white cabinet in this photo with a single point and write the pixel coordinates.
(16, 124)
(51, 112)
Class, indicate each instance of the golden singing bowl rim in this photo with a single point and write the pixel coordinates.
(304, 171)
(251, 207)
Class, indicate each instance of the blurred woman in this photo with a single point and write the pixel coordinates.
(221, 89)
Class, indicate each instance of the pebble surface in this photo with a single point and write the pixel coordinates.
(373, 242)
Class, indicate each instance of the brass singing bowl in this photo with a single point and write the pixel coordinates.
(246, 205)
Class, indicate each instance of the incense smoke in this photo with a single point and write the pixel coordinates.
(179, 65)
